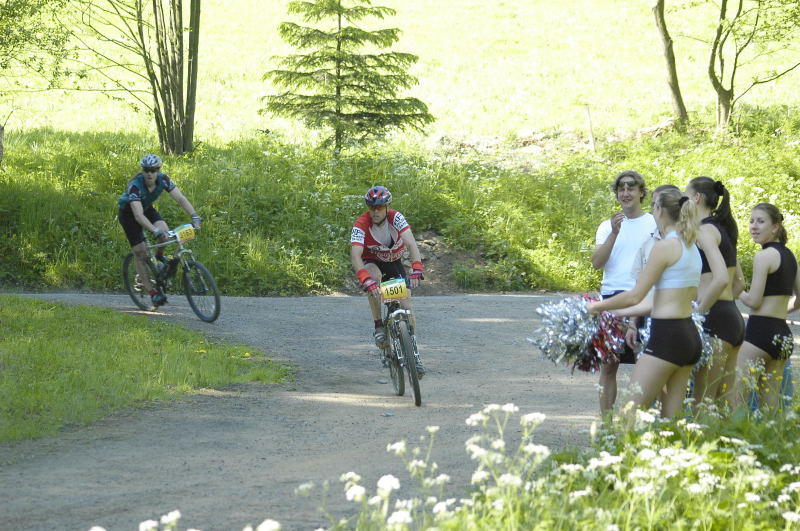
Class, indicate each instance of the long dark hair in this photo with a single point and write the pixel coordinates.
(776, 217)
(712, 191)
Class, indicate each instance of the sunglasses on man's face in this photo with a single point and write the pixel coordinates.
(627, 184)
(150, 170)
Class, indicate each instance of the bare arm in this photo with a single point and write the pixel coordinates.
(182, 201)
(794, 302)
(643, 308)
(138, 214)
(356, 252)
(603, 251)
(413, 251)
(708, 241)
(761, 266)
(663, 255)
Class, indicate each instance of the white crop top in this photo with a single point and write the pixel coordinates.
(685, 273)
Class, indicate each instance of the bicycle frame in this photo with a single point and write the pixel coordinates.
(392, 315)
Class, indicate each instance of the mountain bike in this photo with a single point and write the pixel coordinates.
(197, 282)
(400, 352)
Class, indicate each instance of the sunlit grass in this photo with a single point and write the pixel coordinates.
(65, 366)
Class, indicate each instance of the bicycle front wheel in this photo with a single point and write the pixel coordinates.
(410, 360)
(395, 370)
(201, 291)
(133, 283)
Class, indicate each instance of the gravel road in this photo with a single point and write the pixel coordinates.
(231, 457)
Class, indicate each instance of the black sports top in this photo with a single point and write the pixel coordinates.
(781, 281)
(726, 247)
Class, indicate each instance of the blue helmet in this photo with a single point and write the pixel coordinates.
(378, 195)
(151, 161)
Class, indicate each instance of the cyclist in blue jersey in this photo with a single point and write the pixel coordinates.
(136, 213)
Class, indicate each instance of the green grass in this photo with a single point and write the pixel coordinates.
(52, 376)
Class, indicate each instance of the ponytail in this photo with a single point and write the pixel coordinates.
(682, 212)
(717, 198)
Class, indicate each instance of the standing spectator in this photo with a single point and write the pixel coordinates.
(723, 321)
(774, 292)
(617, 242)
(673, 269)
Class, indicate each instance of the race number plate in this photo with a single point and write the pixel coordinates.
(185, 233)
(394, 290)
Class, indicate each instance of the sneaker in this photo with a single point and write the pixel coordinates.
(420, 369)
(380, 336)
(158, 299)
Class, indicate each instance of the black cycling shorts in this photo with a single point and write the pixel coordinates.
(724, 320)
(675, 341)
(389, 270)
(770, 334)
(133, 230)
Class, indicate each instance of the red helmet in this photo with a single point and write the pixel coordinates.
(378, 195)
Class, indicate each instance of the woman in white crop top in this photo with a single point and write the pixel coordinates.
(674, 270)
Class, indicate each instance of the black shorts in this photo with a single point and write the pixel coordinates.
(133, 230)
(389, 270)
(628, 355)
(770, 334)
(675, 341)
(724, 320)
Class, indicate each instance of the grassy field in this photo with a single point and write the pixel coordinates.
(484, 69)
(52, 377)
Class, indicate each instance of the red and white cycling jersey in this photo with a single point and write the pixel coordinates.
(380, 242)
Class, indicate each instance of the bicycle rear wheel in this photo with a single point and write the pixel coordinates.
(410, 360)
(134, 285)
(201, 291)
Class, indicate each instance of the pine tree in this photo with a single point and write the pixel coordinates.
(336, 85)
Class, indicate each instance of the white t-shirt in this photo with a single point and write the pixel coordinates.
(633, 233)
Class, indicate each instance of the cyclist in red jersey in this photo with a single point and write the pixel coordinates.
(377, 242)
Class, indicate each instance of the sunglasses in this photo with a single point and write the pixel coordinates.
(629, 184)
(150, 170)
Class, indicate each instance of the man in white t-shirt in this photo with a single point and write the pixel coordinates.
(617, 243)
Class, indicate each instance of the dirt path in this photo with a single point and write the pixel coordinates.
(233, 457)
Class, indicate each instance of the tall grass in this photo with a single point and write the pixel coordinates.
(277, 214)
(63, 366)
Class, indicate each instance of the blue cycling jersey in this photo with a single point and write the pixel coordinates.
(137, 191)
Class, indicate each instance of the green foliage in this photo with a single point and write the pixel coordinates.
(278, 215)
(334, 86)
(52, 376)
(644, 473)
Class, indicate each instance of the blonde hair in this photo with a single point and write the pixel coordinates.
(683, 212)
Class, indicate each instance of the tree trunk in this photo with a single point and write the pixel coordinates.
(669, 56)
(2, 149)
(191, 89)
(724, 108)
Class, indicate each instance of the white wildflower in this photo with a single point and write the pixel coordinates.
(491, 407)
(498, 444)
(791, 516)
(693, 426)
(783, 498)
(398, 448)
(388, 483)
(476, 451)
(432, 429)
(498, 504)
(441, 479)
(786, 468)
(304, 489)
(666, 433)
(792, 487)
(269, 525)
(537, 449)
(696, 488)
(171, 517)
(148, 525)
(645, 416)
(747, 459)
(400, 517)
(97, 528)
(577, 494)
(375, 500)
(647, 488)
(350, 476)
(356, 493)
(509, 480)
(646, 454)
(532, 419)
(476, 419)
(415, 465)
(510, 408)
(751, 497)
(571, 468)
(479, 476)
